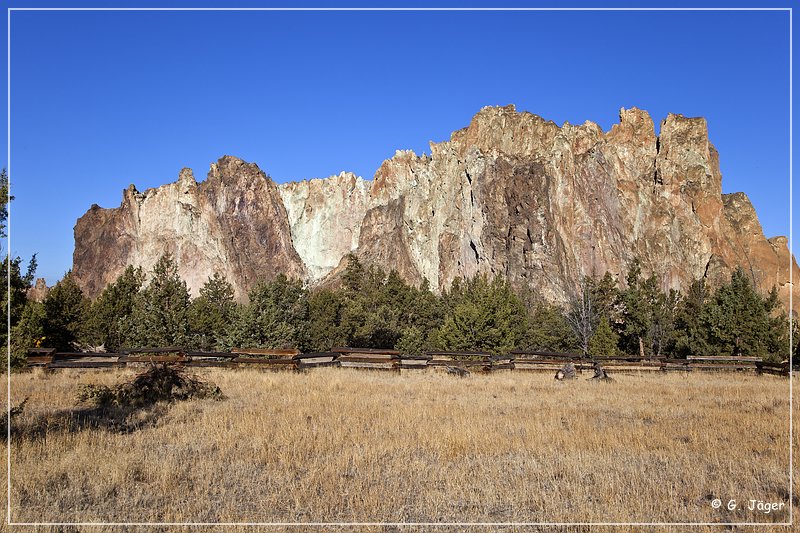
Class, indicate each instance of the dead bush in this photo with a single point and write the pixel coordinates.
(159, 383)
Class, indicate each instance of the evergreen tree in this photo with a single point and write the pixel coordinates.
(604, 340)
(4, 199)
(210, 313)
(160, 315)
(27, 333)
(691, 334)
(324, 314)
(65, 309)
(275, 317)
(605, 294)
(739, 321)
(412, 341)
(353, 276)
(109, 312)
(11, 277)
(489, 317)
(548, 330)
(636, 307)
(14, 286)
(426, 314)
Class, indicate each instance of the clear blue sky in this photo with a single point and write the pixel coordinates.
(104, 99)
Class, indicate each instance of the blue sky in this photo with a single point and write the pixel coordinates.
(100, 100)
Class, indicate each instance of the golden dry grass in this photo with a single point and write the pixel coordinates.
(336, 445)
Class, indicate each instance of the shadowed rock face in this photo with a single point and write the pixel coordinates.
(510, 194)
(234, 223)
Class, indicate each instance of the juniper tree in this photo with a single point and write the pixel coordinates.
(604, 340)
(486, 316)
(65, 310)
(549, 330)
(324, 315)
(412, 341)
(691, 333)
(211, 313)
(276, 316)
(739, 320)
(26, 334)
(160, 315)
(105, 322)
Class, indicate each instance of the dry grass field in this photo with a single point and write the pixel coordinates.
(337, 445)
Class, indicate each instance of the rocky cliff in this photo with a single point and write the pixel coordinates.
(511, 194)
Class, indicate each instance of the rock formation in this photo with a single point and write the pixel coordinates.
(511, 194)
(39, 291)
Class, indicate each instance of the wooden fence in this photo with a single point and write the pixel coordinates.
(380, 359)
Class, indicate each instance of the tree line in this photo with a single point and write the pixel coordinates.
(373, 308)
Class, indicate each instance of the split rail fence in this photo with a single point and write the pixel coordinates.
(393, 360)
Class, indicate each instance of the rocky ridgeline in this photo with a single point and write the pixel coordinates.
(511, 194)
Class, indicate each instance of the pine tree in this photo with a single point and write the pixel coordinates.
(604, 340)
(160, 315)
(4, 199)
(740, 321)
(549, 330)
(635, 302)
(411, 342)
(26, 334)
(210, 313)
(488, 317)
(691, 334)
(275, 317)
(324, 315)
(108, 313)
(65, 310)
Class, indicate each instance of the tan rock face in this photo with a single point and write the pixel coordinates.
(39, 291)
(325, 217)
(234, 222)
(510, 194)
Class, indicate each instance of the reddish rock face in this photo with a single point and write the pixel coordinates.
(234, 222)
(510, 194)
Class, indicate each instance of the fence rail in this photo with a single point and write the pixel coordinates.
(377, 359)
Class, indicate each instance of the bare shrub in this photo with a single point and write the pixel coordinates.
(159, 383)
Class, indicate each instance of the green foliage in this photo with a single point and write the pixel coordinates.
(211, 313)
(604, 340)
(691, 334)
(275, 317)
(11, 274)
(549, 330)
(740, 321)
(160, 314)
(324, 315)
(65, 309)
(14, 286)
(636, 300)
(4, 199)
(484, 315)
(376, 308)
(647, 314)
(26, 334)
(109, 312)
(412, 341)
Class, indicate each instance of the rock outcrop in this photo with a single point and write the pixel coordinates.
(234, 223)
(511, 194)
